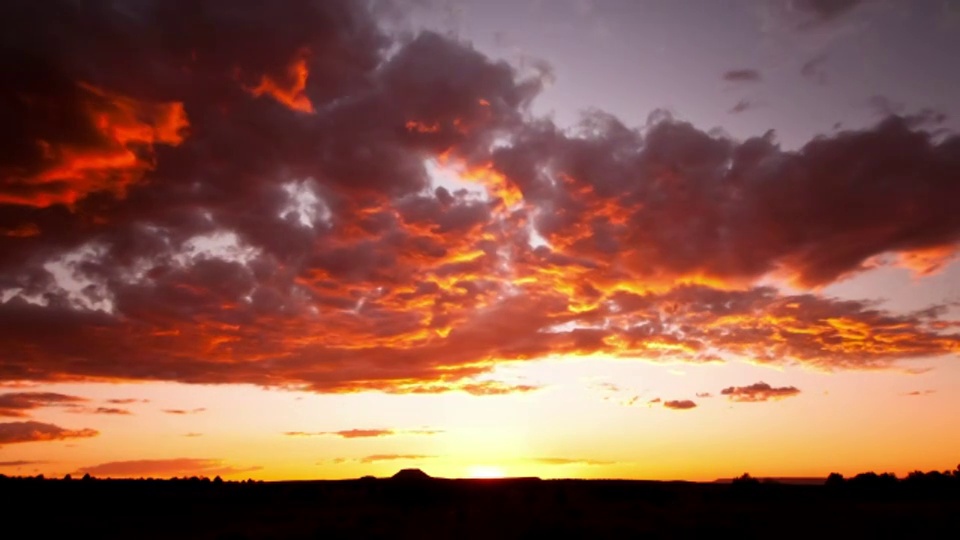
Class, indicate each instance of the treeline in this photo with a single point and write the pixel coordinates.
(868, 485)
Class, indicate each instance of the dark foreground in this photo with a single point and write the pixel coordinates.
(509, 508)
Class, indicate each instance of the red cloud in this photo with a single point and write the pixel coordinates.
(760, 391)
(21, 432)
(262, 245)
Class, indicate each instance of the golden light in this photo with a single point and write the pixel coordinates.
(485, 471)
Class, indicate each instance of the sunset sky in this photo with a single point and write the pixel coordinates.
(604, 239)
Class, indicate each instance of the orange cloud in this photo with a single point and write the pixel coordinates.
(288, 87)
(121, 134)
(679, 405)
(30, 431)
(326, 252)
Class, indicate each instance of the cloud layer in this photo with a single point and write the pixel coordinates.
(163, 468)
(340, 210)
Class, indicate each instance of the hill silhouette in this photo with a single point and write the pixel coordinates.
(411, 475)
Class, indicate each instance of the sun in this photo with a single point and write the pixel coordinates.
(485, 471)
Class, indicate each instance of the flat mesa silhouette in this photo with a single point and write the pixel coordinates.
(411, 474)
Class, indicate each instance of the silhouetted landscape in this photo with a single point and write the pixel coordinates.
(413, 505)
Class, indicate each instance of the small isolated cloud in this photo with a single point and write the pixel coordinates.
(654, 400)
(17, 404)
(812, 69)
(704, 394)
(569, 461)
(364, 433)
(22, 432)
(680, 404)
(193, 434)
(760, 391)
(164, 468)
(185, 411)
(110, 410)
(920, 393)
(742, 75)
(126, 401)
(741, 106)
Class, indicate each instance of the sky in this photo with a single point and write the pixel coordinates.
(602, 239)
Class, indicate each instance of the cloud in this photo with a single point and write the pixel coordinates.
(193, 434)
(18, 404)
(164, 468)
(110, 410)
(704, 394)
(920, 393)
(185, 411)
(760, 391)
(812, 69)
(30, 431)
(365, 433)
(741, 106)
(270, 215)
(824, 10)
(126, 401)
(20, 463)
(742, 75)
(808, 16)
(679, 405)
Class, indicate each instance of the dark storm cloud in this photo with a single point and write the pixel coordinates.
(677, 201)
(760, 391)
(742, 75)
(237, 193)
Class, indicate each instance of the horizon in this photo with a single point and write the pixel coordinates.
(639, 240)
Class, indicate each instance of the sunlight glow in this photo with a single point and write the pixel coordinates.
(485, 471)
